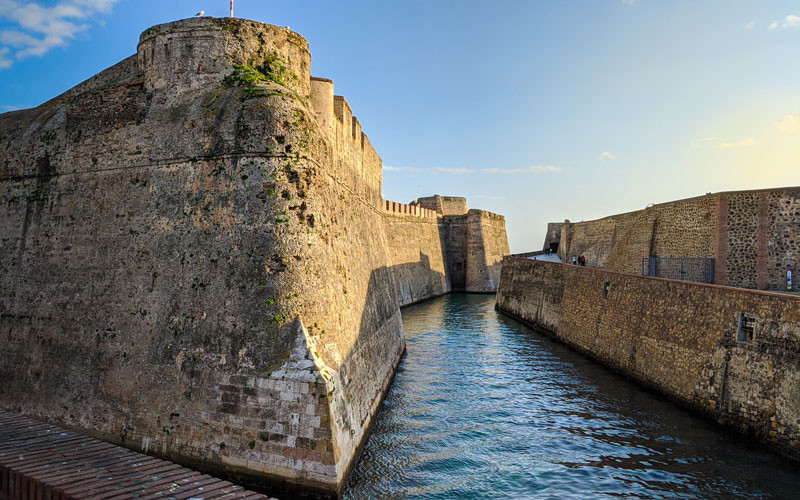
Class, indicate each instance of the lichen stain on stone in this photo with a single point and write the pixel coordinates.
(165, 225)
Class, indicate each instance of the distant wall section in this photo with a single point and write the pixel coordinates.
(444, 205)
(751, 235)
(486, 245)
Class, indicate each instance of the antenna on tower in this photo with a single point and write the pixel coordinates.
(231, 8)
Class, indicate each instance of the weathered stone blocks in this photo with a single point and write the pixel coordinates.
(680, 338)
(751, 235)
(197, 262)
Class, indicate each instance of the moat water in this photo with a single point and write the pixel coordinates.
(484, 407)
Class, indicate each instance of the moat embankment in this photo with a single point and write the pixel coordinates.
(728, 353)
(484, 407)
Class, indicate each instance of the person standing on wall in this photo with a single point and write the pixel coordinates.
(789, 277)
(574, 260)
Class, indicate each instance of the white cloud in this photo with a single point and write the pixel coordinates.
(39, 29)
(608, 156)
(534, 169)
(789, 124)
(744, 143)
(697, 144)
(5, 62)
(790, 21)
(413, 170)
(98, 5)
(630, 2)
(750, 25)
(490, 197)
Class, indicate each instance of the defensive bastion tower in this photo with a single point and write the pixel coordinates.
(197, 261)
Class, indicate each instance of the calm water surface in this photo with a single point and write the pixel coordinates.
(483, 407)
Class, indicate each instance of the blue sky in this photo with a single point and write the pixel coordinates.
(538, 110)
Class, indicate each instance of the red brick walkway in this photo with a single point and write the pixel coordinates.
(43, 462)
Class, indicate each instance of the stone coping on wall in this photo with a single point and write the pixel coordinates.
(655, 278)
(485, 213)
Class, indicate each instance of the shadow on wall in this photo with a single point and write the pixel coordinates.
(479, 271)
(355, 388)
(246, 400)
(484, 244)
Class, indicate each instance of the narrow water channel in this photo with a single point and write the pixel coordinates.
(484, 407)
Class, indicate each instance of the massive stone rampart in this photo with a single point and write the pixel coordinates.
(729, 353)
(751, 235)
(198, 263)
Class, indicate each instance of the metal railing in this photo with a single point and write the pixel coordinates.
(699, 270)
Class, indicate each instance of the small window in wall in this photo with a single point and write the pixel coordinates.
(747, 328)
(606, 286)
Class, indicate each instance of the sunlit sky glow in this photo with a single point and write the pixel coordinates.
(538, 110)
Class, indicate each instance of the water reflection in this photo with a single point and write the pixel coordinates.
(483, 407)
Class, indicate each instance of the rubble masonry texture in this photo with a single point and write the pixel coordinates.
(198, 262)
(751, 235)
(679, 338)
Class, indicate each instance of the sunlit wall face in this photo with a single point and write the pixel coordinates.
(540, 110)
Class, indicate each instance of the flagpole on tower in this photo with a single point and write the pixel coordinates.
(231, 8)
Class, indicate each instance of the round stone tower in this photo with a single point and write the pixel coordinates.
(195, 53)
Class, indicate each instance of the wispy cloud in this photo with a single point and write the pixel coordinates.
(608, 156)
(5, 62)
(35, 29)
(790, 21)
(750, 25)
(744, 143)
(414, 170)
(789, 124)
(698, 143)
(6, 108)
(490, 197)
(534, 169)
(630, 2)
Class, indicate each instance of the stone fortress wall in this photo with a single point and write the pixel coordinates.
(408, 209)
(729, 353)
(689, 341)
(199, 264)
(751, 235)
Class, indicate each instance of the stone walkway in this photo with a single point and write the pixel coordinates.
(43, 462)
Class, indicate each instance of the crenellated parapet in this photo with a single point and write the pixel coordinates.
(357, 162)
(397, 208)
